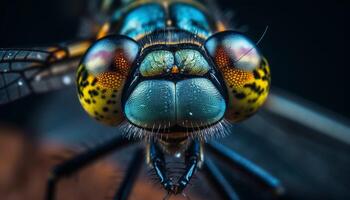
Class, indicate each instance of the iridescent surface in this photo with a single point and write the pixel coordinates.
(192, 62)
(242, 52)
(190, 19)
(246, 75)
(188, 61)
(189, 103)
(143, 19)
(152, 103)
(102, 54)
(101, 77)
(198, 103)
(157, 62)
(99, 58)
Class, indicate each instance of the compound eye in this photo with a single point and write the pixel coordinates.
(246, 74)
(233, 49)
(102, 75)
(112, 56)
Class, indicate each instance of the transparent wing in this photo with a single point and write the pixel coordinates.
(300, 143)
(299, 112)
(36, 70)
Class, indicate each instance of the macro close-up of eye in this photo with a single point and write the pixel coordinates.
(233, 49)
(173, 100)
(102, 75)
(245, 72)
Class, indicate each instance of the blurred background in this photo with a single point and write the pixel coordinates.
(306, 47)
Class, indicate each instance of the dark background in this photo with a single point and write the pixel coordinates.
(305, 45)
(305, 42)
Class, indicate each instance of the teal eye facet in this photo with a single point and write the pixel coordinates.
(191, 62)
(157, 63)
(198, 103)
(189, 103)
(152, 104)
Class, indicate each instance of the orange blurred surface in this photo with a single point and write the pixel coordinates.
(24, 167)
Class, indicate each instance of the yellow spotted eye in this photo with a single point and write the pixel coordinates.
(101, 77)
(246, 74)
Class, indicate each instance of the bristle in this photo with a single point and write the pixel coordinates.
(199, 131)
(170, 37)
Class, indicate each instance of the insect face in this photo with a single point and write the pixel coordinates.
(174, 91)
(174, 87)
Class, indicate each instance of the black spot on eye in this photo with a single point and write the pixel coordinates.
(252, 100)
(96, 113)
(256, 74)
(115, 111)
(93, 101)
(265, 70)
(88, 101)
(104, 91)
(115, 90)
(237, 113)
(255, 88)
(103, 96)
(114, 102)
(240, 95)
(114, 96)
(83, 84)
(109, 102)
(94, 93)
(265, 77)
(80, 92)
(93, 83)
(105, 109)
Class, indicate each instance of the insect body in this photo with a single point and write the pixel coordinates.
(173, 74)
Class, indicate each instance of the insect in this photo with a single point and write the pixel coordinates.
(169, 74)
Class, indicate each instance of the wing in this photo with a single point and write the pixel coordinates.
(35, 70)
(299, 112)
(303, 145)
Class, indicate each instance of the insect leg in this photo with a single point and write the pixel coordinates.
(233, 159)
(158, 163)
(75, 164)
(130, 176)
(192, 157)
(218, 181)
